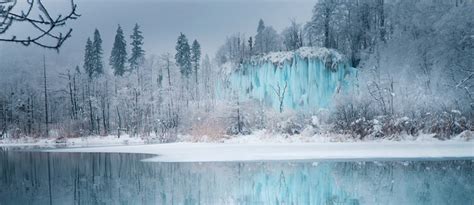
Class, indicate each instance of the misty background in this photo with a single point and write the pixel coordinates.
(208, 21)
(407, 67)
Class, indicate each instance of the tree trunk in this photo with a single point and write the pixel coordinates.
(45, 97)
(326, 28)
(197, 85)
(382, 20)
(71, 96)
(119, 122)
(91, 115)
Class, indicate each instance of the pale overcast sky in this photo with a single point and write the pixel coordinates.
(209, 21)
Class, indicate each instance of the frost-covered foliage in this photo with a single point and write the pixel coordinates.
(330, 57)
(293, 36)
(361, 121)
(118, 55)
(288, 122)
(412, 79)
(267, 39)
(150, 101)
(236, 49)
(414, 64)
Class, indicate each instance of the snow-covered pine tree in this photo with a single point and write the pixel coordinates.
(98, 65)
(292, 36)
(261, 26)
(196, 57)
(138, 54)
(88, 59)
(250, 42)
(321, 27)
(89, 68)
(267, 39)
(118, 56)
(259, 37)
(137, 60)
(183, 55)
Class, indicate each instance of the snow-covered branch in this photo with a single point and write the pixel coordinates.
(45, 24)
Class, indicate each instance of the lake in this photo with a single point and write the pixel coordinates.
(41, 178)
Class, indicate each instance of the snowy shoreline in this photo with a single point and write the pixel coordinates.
(262, 146)
(212, 152)
(257, 137)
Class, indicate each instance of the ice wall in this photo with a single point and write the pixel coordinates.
(312, 77)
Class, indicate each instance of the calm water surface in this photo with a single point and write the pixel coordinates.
(39, 178)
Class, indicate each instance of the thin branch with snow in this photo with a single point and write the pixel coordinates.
(45, 24)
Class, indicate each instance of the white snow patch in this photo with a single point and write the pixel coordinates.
(227, 68)
(212, 152)
(456, 112)
(263, 137)
(279, 58)
(467, 135)
(426, 138)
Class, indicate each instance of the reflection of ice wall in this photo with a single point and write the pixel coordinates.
(40, 178)
(312, 75)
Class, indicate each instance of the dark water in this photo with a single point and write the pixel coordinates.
(39, 178)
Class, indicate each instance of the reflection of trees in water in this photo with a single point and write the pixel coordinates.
(421, 182)
(123, 179)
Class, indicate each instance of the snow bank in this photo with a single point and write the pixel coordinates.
(211, 152)
(321, 53)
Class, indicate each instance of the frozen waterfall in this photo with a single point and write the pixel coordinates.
(307, 79)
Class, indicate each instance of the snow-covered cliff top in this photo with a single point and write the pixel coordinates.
(330, 57)
(279, 58)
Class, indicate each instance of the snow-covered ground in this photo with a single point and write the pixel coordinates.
(266, 146)
(257, 137)
(207, 152)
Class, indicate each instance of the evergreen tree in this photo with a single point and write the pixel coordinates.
(118, 56)
(292, 36)
(98, 65)
(196, 57)
(138, 53)
(261, 26)
(88, 59)
(327, 18)
(267, 39)
(183, 55)
(250, 46)
(259, 38)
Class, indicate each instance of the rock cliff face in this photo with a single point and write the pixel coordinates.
(306, 79)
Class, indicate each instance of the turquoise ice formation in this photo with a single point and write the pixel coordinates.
(312, 77)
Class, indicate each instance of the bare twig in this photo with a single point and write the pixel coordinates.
(280, 94)
(45, 24)
(465, 80)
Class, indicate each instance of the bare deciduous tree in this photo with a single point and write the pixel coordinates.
(280, 92)
(47, 35)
